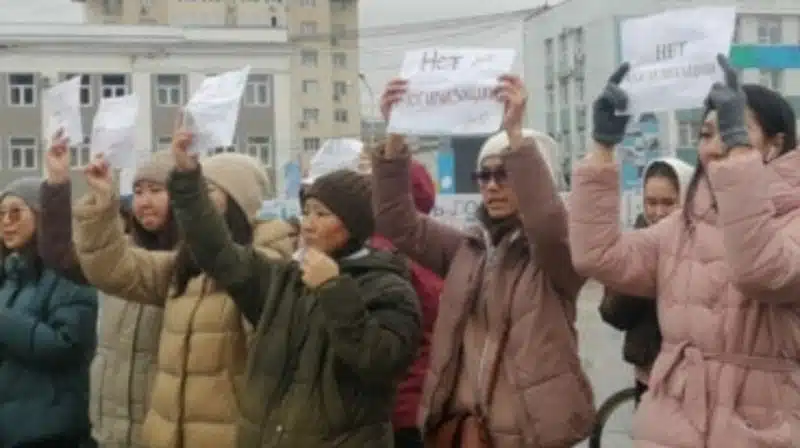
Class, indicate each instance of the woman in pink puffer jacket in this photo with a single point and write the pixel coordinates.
(725, 271)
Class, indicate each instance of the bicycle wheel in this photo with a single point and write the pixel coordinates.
(612, 404)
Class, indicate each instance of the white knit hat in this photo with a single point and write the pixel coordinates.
(498, 143)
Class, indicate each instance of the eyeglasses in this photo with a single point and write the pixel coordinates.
(12, 213)
(484, 176)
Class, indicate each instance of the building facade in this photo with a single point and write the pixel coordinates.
(325, 61)
(162, 65)
(571, 49)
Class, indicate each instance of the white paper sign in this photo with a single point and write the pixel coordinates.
(450, 91)
(335, 154)
(114, 130)
(673, 57)
(62, 102)
(212, 112)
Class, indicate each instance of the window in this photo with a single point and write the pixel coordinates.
(551, 99)
(257, 92)
(22, 151)
(86, 87)
(164, 143)
(309, 58)
(308, 3)
(233, 147)
(260, 148)
(311, 115)
(81, 155)
(579, 40)
(308, 28)
(339, 88)
(273, 22)
(112, 7)
(340, 115)
(688, 133)
(112, 86)
(580, 90)
(548, 49)
(310, 86)
(338, 32)
(169, 90)
(339, 60)
(769, 30)
(737, 30)
(564, 92)
(771, 78)
(562, 50)
(310, 144)
(21, 89)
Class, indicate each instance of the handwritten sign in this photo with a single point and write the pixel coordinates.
(212, 112)
(335, 154)
(674, 52)
(114, 130)
(451, 91)
(62, 104)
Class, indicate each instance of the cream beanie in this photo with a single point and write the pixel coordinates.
(241, 177)
(496, 144)
(156, 169)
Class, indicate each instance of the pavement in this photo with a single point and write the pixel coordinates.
(601, 355)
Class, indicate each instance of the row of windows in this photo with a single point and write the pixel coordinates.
(309, 57)
(258, 146)
(311, 115)
(170, 89)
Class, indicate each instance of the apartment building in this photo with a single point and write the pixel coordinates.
(325, 60)
(161, 64)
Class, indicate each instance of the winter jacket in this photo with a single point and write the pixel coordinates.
(428, 287)
(203, 340)
(324, 364)
(124, 366)
(543, 398)
(47, 335)
(727, 285)
(637, 317)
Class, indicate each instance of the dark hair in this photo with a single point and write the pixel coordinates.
(165, 238)
(30, 253)
(774, 115)
(241, 231)
(662, 169)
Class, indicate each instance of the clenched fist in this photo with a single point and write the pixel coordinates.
(317, 267)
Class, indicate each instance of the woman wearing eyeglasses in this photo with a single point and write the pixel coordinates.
(47, 335)
(504, 361)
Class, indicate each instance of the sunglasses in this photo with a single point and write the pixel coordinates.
(485, 176)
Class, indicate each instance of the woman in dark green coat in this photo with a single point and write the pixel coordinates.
(335, 330)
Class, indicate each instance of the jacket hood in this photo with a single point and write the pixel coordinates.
(785, 189)
(371, 260)
(422, 188)
(682, 170)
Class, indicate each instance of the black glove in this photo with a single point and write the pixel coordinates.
(609, 128)
(730, 102)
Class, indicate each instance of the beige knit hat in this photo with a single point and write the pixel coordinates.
(241, 177)
(156, 169)
(496, 144)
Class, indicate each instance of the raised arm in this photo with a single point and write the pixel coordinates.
(65, 339)
(109, 261)
(763, 255)
(55, 231)
(423, 239)
(542, 212)
(244, 272)
(375, 328)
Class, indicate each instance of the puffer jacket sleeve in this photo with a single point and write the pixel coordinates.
(420, 237)
(67, 336)
(55, 231)
(110, 262)
(246, 273)
(544, 217)
(764, 259)
(626, 262)
(375, 328)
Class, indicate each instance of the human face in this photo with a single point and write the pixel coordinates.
(321, 229)
(498, 197)
(711, 147)
(660, 198)
(18, 223)
(218, 197)
(150, 205)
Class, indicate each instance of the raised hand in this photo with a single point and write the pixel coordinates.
(514, 97)
(98, 176)
(57, 159)
(181, 143)
(730, 102)
(609, 127)
(392, 94)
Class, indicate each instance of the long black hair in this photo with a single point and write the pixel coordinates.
(165, 238)
(241, 231)
(774, 115)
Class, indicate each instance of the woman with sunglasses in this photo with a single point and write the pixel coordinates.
(504, 360)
